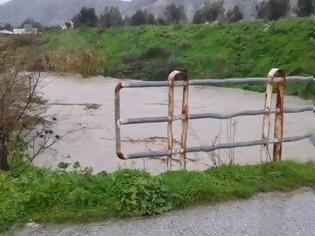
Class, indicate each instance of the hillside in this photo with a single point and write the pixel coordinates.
(205, 51)
(51, 12)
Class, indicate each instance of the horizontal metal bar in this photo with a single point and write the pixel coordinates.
(218, 116)
(212, 82)
(215, 147)
(246, 144)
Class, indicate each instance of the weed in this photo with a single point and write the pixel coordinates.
(74, 60)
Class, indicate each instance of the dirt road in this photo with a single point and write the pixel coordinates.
(84, 109)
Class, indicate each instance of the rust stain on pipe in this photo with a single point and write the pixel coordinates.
(176, 75)
(278, 131)
(278, 77)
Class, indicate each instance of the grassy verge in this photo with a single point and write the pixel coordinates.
(58, 197)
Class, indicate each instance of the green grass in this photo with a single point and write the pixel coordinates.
(58, 197)
(205, 51)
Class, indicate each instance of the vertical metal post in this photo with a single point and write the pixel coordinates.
(117, 120)
(185, 122)
(278, 131)
(275, 76)
(170, 116)
(185, 117)
(265, 154)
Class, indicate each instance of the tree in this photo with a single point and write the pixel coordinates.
(86, 17)
(209, 12)
(35, 24)
(174, 14)
(142, 18)
(111, 17)
(7, 27)
(150, 18)
(160, 21)
(273, 9)
(21, 108)
(200, 17)
(69, 24)
(138, 18)
(304, 8)
(234, 15)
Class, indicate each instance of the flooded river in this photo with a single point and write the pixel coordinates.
(84, 109)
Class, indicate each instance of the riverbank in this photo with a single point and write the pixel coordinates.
(28, 194)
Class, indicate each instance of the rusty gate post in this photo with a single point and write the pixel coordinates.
(185, 117)
(117, 120)
(278, 77)
(185, 122)
(266, 120)
(278, 130)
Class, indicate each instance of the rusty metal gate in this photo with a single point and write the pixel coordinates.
(276, 80)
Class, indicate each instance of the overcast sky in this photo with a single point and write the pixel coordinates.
(3, 1)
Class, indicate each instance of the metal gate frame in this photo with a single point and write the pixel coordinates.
(275, 77)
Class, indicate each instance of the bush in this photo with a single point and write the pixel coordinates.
(140, 194)
(19, 41)
(154, 63)
(155, 52)
(75, 60)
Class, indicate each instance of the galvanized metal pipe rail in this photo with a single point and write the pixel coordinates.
(219, 116)
(275, 76)
(216, 147)
(212, 82)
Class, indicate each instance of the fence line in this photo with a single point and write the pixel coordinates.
(276, 76)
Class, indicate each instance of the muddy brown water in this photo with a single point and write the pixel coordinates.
(84, 109)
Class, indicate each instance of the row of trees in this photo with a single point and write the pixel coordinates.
(173, 14)
(215, 11)
(6, 27)
(112, 17)
(270, 10)
(276, 9)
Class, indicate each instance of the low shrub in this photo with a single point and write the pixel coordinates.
(155, 52)
(19, 41)
(75, 60)
(154, 63)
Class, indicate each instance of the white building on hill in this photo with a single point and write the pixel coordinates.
(28, 29)
(5, 32)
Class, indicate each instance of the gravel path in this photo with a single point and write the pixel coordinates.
(84, 109)
(269, 214)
